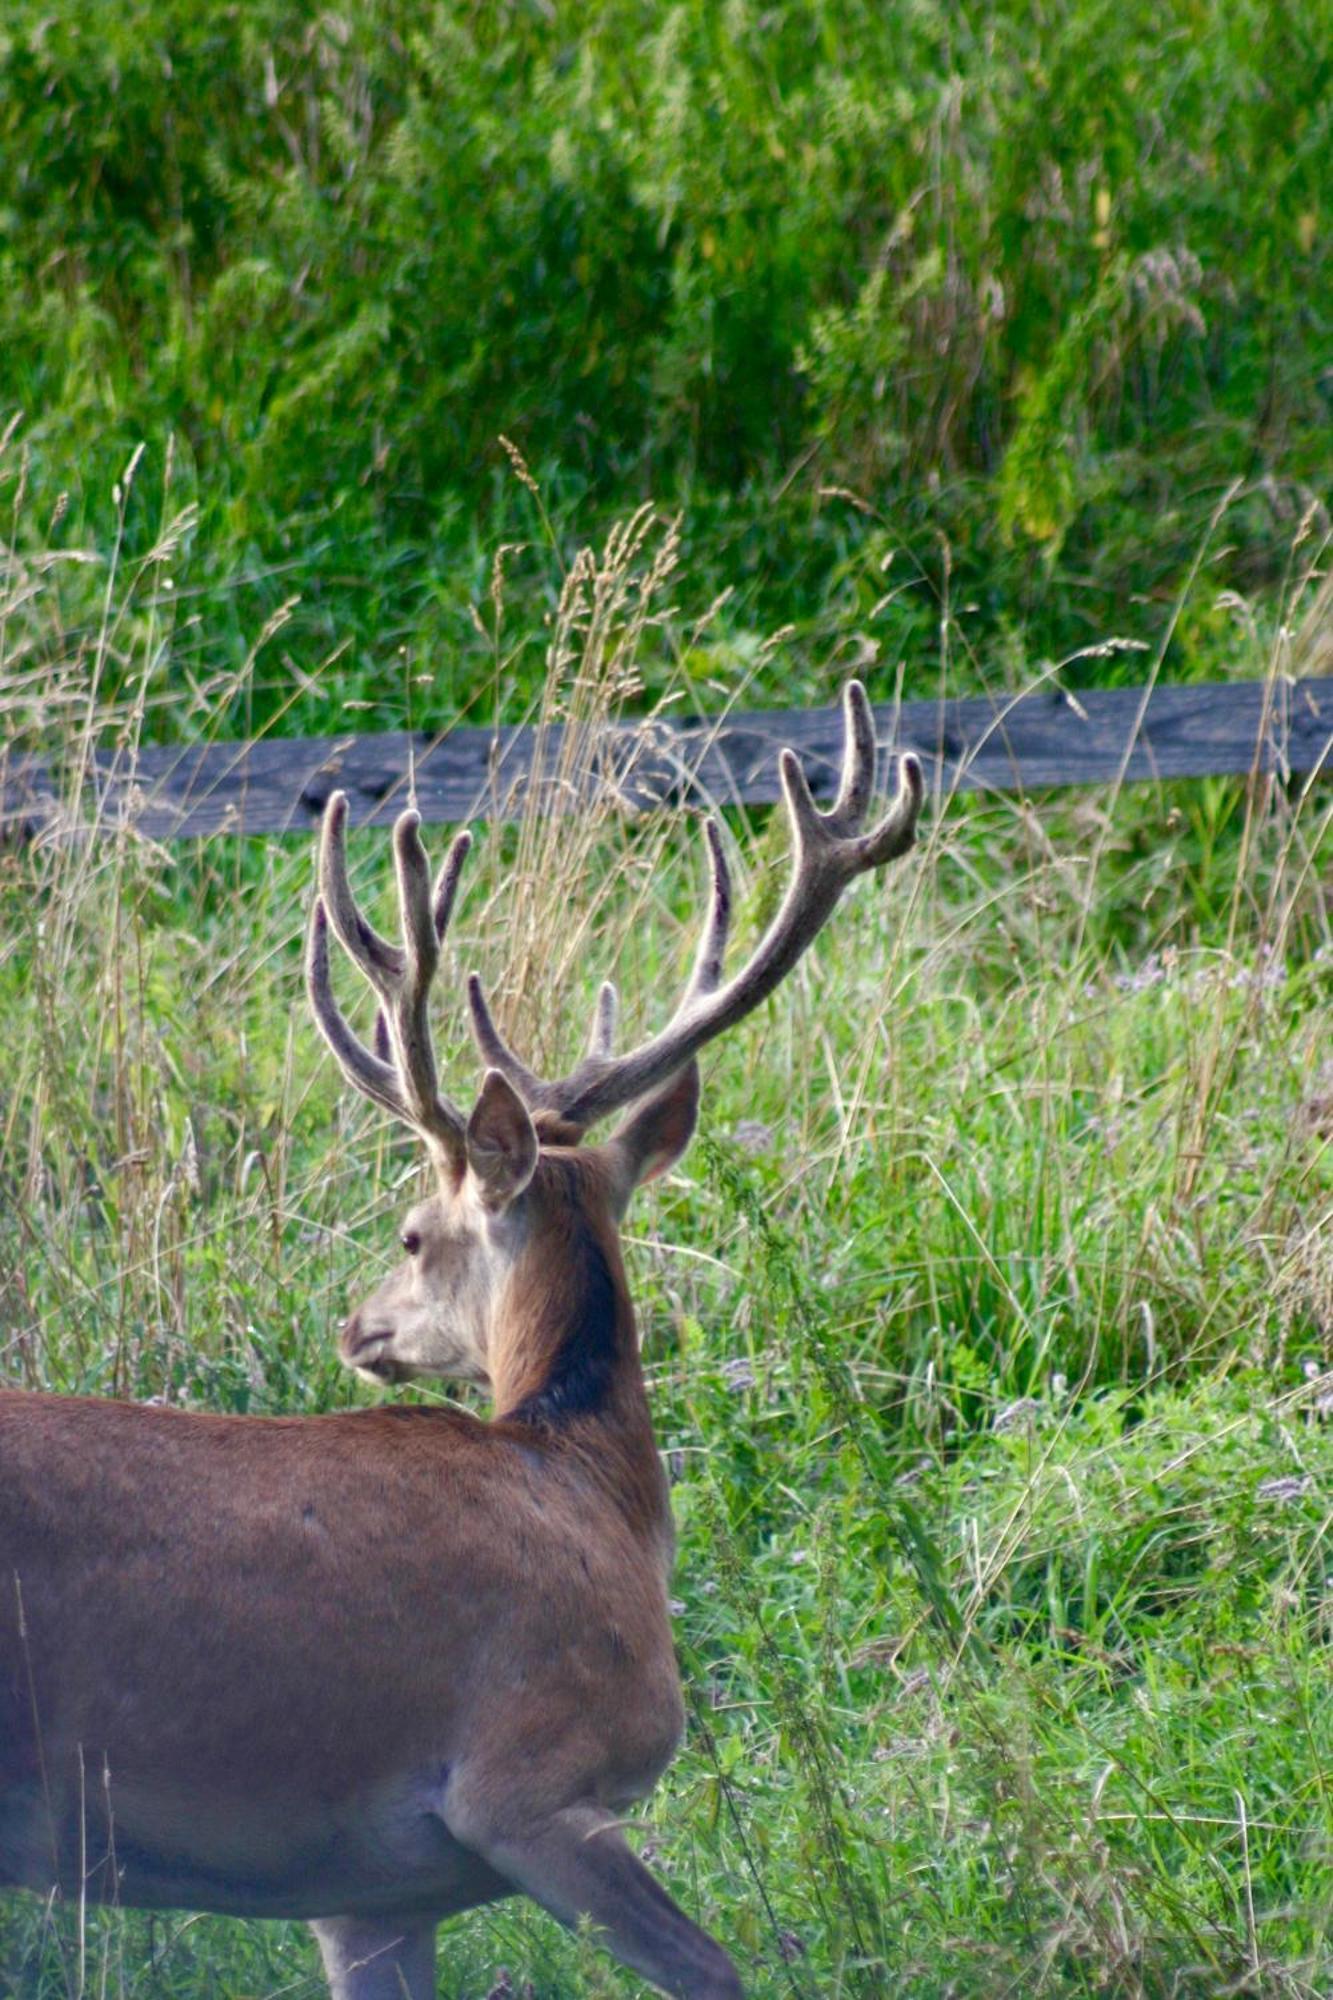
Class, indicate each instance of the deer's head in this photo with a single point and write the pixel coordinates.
(521, 1209)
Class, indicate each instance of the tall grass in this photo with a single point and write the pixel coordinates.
(987, 1323)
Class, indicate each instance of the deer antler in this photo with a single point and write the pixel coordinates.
(399, 1073)
(830, 849)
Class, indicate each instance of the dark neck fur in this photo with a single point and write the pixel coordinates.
(569, 1373)
(580, 1376)
(570, 1351)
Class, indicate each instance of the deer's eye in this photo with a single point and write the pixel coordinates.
(411, 1242)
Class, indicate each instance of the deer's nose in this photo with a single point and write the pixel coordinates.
(365, 1348)
(356, 1337)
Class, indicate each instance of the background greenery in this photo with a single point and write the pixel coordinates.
(988, 1321)
(1031, 286)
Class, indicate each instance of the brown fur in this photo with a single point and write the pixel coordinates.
(368, 1668)
(373, 1668)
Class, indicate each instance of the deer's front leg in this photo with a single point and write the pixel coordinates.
(367, 1958)
(576, 1865)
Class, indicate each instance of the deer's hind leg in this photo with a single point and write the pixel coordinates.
(577, 1865)
(373, 1958)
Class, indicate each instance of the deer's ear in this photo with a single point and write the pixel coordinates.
(501, 1142)
(656, 1133)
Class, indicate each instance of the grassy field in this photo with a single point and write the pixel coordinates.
(988, 1320)
(987, 1323)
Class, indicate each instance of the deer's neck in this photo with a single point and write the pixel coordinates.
(564, 1332)
(565, 1361)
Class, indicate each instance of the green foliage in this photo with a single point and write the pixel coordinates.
(986, 1324)
(1043, 282)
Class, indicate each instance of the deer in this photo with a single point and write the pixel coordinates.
(374, 1667)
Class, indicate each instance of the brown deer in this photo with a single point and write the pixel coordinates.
(372, 1668)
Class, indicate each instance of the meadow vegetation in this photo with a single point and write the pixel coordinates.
(986, 1323)
(917, 314)
(988, 1320)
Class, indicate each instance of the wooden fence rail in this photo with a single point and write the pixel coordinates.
(1029, 743)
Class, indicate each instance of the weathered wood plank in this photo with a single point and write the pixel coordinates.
(1040, 740)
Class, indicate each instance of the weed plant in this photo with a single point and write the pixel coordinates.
(986, 1323)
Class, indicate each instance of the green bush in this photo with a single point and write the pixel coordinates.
(1034, 286)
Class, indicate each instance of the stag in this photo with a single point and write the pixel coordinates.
(372, 1668)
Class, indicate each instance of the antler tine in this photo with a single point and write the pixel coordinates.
(380, 961)
(446, 882)
(896, 832)
(858, 757)
(808, 827)
(496, 1052)
(399, 1073)
(830, 849)
(409, 1028)
(442, 904)
(421, 945)
(374, 1077)
(712, 947)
